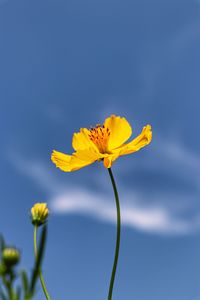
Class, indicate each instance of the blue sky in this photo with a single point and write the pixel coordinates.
(70, 64)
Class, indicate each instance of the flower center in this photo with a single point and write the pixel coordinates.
(99, 136)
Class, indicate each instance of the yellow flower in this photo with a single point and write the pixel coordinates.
(105, 143)
(39, 213)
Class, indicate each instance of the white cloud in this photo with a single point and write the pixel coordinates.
(177, 152)
(157, 220)
(156, 216)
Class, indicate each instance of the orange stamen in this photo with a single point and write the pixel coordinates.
(99, 136)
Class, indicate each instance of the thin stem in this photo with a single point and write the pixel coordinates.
(40, 272)
(117, 246)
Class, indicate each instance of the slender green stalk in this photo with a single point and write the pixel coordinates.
(40, 272)
(117, 246)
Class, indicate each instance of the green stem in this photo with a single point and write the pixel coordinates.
(40, 272)
(117, 246)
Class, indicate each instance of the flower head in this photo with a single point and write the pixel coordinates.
(104, 142)
(10, 256)
(39, 213)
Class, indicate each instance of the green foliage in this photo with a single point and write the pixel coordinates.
(26, 288)
(38, 260)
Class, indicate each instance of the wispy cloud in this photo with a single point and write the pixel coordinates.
(150, 219)
(153, 216)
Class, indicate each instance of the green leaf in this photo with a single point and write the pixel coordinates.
(25, 282)
(38, 261)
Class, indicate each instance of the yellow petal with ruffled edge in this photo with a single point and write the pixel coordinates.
(60, 159)
(81, 140)
(139, 142)
(76, 161)
(120, 131)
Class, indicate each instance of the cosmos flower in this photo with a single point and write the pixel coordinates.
(102, 143)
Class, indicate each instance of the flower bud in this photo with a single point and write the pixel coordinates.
(39, 213)
(10, 256)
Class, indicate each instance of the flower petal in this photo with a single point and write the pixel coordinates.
(120, 131)
(139, 142)
(60, 159)
(77, 160)
(81, 140)
(88, 155)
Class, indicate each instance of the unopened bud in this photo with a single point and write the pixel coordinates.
(10, 256)
(39, 213)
